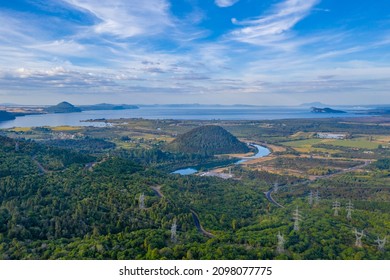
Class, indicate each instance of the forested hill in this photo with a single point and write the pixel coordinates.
(208, 140)
(63, 107)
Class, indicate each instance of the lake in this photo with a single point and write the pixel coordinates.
(171, 112)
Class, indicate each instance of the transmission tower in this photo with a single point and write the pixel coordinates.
(381, 243)
(310, 198)
(317, 198)
(280, 248)
(359, 236)
(276, 187)
(336, 208)
(173, 231)
(349, 210)
(297, 218)
(141, 201)
(16, 146)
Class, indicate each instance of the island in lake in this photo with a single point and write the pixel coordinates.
(63, 107)
(326, 110)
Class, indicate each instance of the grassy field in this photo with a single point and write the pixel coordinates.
(303, 143)
(309, 143)
(360, 144)
(20, 129)
(66, 128)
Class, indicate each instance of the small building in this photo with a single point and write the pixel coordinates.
(327, 135)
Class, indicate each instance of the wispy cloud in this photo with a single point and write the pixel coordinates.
(225, 3)
(275, 24)
(127, 18)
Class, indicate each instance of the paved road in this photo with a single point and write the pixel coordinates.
(268, 195)
(195, 216)
(199, 226)
(40, 167)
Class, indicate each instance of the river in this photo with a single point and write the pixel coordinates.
(261, 152)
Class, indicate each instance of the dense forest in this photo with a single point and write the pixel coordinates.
(90, 199)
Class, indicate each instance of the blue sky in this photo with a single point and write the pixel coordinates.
(264, 52)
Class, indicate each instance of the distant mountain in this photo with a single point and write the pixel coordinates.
(6, 116)
(63, 107)
(326, 110)
(105, 106)
(314, 104)
(8, 104)
(208, 140)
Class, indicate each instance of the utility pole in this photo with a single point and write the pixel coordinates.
(336, 208)
(141, 201)
(297, 218)
(349, 210)
(359, 236)
(174, 231)
(381, 243)
(280, 248)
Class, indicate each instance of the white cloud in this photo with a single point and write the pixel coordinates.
(225, 3)
(274, 26)
(126, 19)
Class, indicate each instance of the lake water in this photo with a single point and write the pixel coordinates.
(261, 152)
(185, 171)
(166, 112)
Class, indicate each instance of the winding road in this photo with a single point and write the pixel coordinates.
(40, 166)
(195, 216)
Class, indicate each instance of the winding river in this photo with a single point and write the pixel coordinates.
(261, 152)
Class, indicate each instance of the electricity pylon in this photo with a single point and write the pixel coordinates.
(359, 236)
(141, 201)
(174, 231)
(297, 218)
(310, 198)
(381, 243)
(336, 208)
(349, 210)
(317, 198)
(280, 248)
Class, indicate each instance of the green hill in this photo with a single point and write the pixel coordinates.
(63, 107)
(208, 140)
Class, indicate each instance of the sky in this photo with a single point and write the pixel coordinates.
(257, 52)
